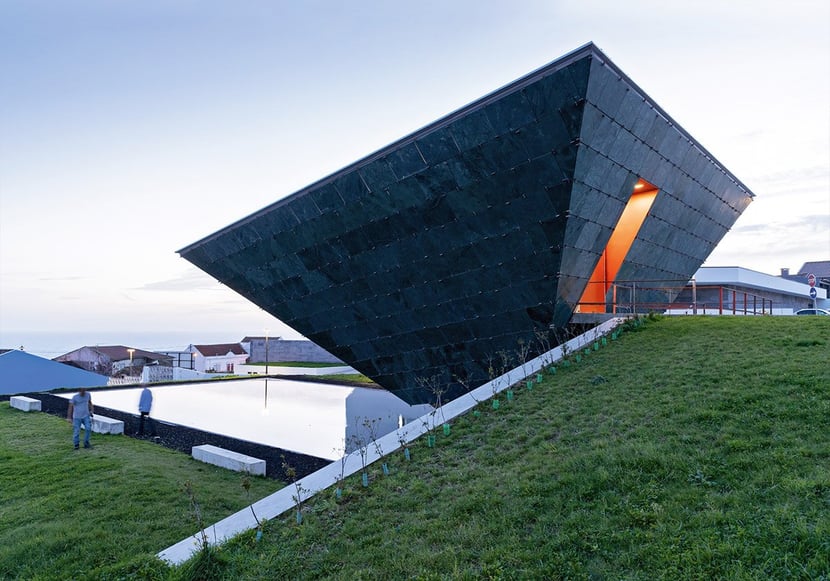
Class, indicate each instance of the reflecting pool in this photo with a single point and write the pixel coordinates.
(311, 418)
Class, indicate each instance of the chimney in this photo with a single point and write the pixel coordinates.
(785, 272)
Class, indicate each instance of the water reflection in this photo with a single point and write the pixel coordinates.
(311, 418)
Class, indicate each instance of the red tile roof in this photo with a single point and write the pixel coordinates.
(220, 349)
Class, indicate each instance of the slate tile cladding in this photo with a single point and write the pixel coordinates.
(426, 259)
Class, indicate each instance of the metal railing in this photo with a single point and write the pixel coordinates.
(644, 296)
(737, 302)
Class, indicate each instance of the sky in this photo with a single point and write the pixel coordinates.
(131, 129)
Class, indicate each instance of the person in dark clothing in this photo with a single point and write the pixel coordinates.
(145, 403)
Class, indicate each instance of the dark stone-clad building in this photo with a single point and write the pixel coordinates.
(484, 232)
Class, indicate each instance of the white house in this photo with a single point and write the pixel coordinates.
(220, 358)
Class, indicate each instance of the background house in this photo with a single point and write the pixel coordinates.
(114, 360)
(218, 358)
(819, 268)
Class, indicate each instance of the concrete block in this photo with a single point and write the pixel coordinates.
(229, 459)
(26, 404)
(105, 425)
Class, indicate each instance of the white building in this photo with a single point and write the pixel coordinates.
(219, 358)
(737, 290)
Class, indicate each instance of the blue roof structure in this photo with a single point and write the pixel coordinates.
(22, 372)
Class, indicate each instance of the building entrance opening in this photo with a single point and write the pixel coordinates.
(594, 297)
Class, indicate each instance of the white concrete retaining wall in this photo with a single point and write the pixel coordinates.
(229, 459)
(182, 374)
(105, 425)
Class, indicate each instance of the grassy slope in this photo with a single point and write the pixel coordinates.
(68, 514)
(690, 448)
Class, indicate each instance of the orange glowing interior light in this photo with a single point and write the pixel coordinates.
(631, 219)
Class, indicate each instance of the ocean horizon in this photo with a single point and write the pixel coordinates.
(51, 344)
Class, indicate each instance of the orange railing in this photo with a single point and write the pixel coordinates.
(633, 297)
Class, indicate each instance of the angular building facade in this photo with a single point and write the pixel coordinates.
(472, 240)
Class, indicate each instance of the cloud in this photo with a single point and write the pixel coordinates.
(796, 228)
(816, 172)
(191, 280)
(766, 246)
(61, 278)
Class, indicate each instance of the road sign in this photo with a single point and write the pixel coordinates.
(813, 293)
(811, 279)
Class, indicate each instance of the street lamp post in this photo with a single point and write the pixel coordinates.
(266, 369)
(694, 296)
(131, 351)
(266, 352)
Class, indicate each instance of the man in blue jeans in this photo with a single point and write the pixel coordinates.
(80, 413)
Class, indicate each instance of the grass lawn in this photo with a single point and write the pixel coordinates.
(689, 448)
(83, 514)
(348, 378)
